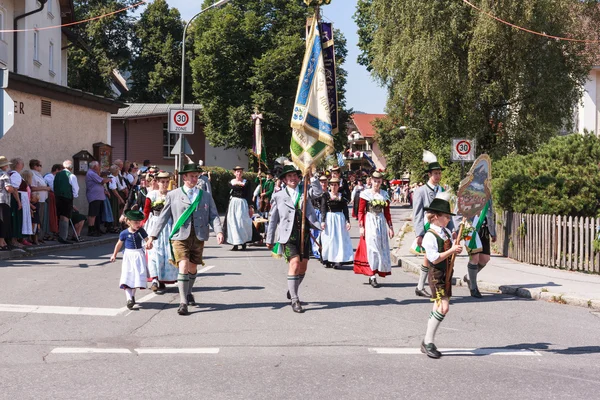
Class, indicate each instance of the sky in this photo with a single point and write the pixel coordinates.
(362, 92)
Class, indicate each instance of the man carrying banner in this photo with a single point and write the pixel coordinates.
(423, 197)
(192, 211)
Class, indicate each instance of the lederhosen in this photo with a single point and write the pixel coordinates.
(292, 248)
(484, 236)
(437, 272)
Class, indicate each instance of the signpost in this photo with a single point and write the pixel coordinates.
(463, 150)
(7, 105)
(181, 121)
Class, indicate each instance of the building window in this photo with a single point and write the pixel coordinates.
(169, 140)
(36, 46)
(51, 57)
(47, 108)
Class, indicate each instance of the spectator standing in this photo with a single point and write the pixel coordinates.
(95, 196)
(15, 206)
(52, 215)
(41, 188)
(5, 195)
(28, 208)
(64, 192)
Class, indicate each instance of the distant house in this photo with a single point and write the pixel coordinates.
(362, 150)
(586, 112)
(140, 132)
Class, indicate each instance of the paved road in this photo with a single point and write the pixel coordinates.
(249, 344)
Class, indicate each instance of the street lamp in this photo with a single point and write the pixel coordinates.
(215, 5)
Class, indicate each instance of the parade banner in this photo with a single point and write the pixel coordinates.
(312, 131)
(475, 191)
(327, 43)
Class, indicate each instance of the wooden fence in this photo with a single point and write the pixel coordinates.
(549, 240)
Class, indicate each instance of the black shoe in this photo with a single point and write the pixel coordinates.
(337, 266)
(289, 296)
(154, 286)
(422, 293)
(466, 280)
(130, 304)
(430, 350)
(183, 309)
(476, 293)
(244, 246)
(328, 265)
(162, 286)
(297, 307)
(235, 248)
(63, 241)
(190, 299)
(373, 282)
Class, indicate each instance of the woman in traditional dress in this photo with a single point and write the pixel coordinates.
(316, 233)
(117, 201)
(160, 269)
(372, 256)
(335, 226)
(238, 222)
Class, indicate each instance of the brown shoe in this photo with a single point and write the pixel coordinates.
(297, 307)
(183, 309)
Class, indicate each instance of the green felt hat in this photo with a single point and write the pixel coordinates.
(434, 166)
(440, 206)
(134, 215)
(287, 169)
(190, 168)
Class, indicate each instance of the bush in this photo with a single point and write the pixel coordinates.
(219, 181)
(561, 178)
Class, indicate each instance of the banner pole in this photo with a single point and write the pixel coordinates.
(303, 217)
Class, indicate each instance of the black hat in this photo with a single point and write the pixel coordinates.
(440, 206)
(134, 215)
(190, 168)
(287, 169)
(268, 172)
(434, 166)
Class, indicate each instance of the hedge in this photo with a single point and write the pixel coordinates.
(219, 180)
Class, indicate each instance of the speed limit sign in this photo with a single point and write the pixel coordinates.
(463, 150)
(181, 121)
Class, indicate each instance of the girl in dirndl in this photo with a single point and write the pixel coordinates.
(160, 269)
(372, 256)
(134, 265)
(238, 222)
(335, 224)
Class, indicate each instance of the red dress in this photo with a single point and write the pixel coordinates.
(361, 262)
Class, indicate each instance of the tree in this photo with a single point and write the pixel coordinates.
(249, 54)
(156, 66)
(452, 71)
(104, 45)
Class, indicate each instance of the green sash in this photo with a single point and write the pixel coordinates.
(482, 216)
(276, 252)
(183, 218)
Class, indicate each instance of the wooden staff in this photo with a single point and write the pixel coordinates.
(450, 267)
(303, 216)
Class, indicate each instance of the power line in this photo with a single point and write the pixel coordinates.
(529, 30)
(76, 22)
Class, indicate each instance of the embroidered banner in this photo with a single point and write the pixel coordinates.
(327, 43)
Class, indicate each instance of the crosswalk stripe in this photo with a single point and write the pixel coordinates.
(88, 350)
(206, 350)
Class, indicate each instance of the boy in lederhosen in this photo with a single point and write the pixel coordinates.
(438, 246)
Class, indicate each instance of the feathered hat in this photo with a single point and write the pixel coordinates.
(431, 160)
(441, 204)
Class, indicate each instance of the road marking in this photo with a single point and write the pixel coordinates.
(92, 311)
(459, 352)
(205, 350)
(88, 350)
(104, 312)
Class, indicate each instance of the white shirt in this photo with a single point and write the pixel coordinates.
(49, 178)
(294, 193)
(38, 181)
(191, 193)
(121, 182)
(15, 179)
(430, 242)
(74, 185)
(114, 182)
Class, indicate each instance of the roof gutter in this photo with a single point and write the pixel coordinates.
(15, 22)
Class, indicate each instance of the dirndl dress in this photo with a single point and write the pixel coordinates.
(237, 220)
(27, 229)
(158, 257)
(372, 256)
(335, 238)
(133, 269)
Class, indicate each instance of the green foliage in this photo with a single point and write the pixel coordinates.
(104, 45)
(156, 67)
(561, 178)
(453, 72)
(249, 54)
(219, 182)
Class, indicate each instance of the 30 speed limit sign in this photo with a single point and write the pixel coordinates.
(181, 121)
(463, 150)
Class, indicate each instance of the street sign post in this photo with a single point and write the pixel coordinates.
(463, 150)
(181, 121)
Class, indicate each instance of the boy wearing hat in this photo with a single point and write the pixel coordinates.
(286, 213)
(438, 246)
(423, 197)
(192, 211)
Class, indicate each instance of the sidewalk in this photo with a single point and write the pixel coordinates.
(503, 275)
(54, 247)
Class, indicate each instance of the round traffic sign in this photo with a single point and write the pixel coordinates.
(181, 118)
(463, 147)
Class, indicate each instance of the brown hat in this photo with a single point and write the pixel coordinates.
(334, 180)
(238, 168)
(335, 169)
(323, 178)
(377, 175)
(4, 161)
(163, 175)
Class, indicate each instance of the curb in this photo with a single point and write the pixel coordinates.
(527, 293)
(56, 248)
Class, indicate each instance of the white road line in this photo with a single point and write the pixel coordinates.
(206, 350)
(462, 352)
(207, 268)
(104, 312)
(88, 350)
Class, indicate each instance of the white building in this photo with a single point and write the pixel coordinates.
(587, 111)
